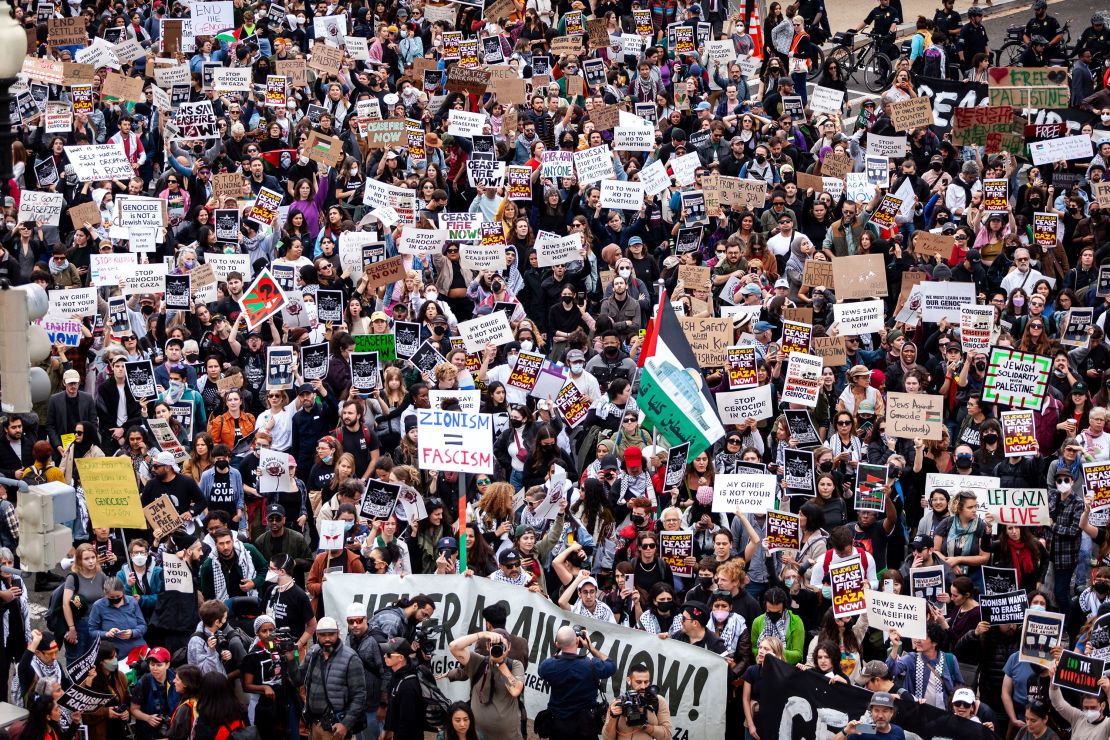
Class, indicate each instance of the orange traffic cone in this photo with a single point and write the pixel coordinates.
(755, 30)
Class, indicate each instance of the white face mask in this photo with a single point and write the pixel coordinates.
(526, 345)
(431, 296)
(1063, 487)
(624, 272)
(138, 559)
(577, 368)
(1036, 607)
(1092, 715)
(1105, 118)
(511, 359)
(272, 576)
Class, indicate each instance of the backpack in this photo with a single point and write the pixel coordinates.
(435, 703)
(55, 616)
(931, 64)
(860, 553)
(181, 656)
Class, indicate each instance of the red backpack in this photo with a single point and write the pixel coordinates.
(859, 551)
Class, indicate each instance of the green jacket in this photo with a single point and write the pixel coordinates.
(795, 637)
(208, 586)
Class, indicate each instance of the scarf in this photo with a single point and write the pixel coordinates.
(960, 539)
(56, 269)
(906, 368)
(771, 628)
(930, 687)
(246, 567)
(1021, 557)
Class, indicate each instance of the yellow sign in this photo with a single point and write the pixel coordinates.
(111, 492)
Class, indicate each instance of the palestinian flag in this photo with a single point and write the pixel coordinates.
(279, 161)
(673, 394)
(227, 36)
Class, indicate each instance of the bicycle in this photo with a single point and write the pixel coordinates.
(877, 67)
(1009, 55)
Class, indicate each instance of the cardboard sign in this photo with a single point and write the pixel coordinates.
(917, 112)
(67, 31)
(783, 531)
(162, 517)
(849, 587)
(837, 165)
(674, 548)
(906, 614)
(1040, 633)
(324, 149)
(1020, 507)
(1018, 379)
(326, 59)
(818, 273)
(709, 338)
(914, 416)
(111, 492)
(927, 244)
(1019, 434)
(861, 276)
(384, 272)
(467, 80)
(744, 493)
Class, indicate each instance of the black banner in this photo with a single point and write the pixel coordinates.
(947, 96)
(803, 704)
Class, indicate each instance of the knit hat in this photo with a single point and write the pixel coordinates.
(942, 272)
(263, 619)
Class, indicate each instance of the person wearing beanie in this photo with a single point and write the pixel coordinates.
(268, 705)
(942, 272)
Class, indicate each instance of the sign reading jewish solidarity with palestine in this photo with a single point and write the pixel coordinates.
(1017, 379)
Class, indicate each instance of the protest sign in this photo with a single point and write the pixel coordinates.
(67, 333)
(976, 324)
(741, 367)
(557, 164)
(906, 614)
(914, 416)
(383, 344)
(1018, 379)
(622, 195)
(262, 299)
(800, 425)
(907, 115)
(862, 276)
(944, 300)
(1040, 633)
(78, 698)
(140, 379)
(594, 164)
(379, 499)
(492, 329)
(162, 517)
(389, 270)
(928, 582)
(1045, 230)
(736, 407)
(709, 338)
(314, 361)
(454, 440)
(998, 581)
(526, 371)
(830, 350)
(364, 371)
(99, 162)
(1096, 480)
(1074, 332)
(826, 100)
(795, 337)
(1079, 672)
(44, 207)
(928, 244)
(870, 481)
(572, 404)
(1020, 507)
(994, 196)
(837, 165)
(469, 400)
(552, 249)
(797, 473)
(849, 586)
(1006, 608)
(885, 146)
(674, 549)
(111, 492)
(1061, 149)
(1019, 434)
(783, 531)
(863, 317)
(744, 493)
(803, 378)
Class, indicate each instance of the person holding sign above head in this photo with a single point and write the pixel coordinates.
(1088, 721)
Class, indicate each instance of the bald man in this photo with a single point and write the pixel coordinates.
(573, 678)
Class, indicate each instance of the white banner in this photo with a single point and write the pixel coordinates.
(231, 79)
(896, 612)
(1064, 148)
(887, 146)
(100, 162)
(690, 679)
(634, 138)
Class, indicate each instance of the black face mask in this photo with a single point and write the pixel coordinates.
(774, 616)
(705, 581)
(222, 465)
(611, 351)
(825, 466)
(115, 599)
(497, 287)
(664, 609)
(1101, 588)
(981, 366)
(990, 439)
(895, 473)
(437, 330)
(567, 300)
(516, 423)
(147, 309)
(637, 519)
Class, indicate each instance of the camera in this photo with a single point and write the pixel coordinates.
(497, 651)
(222, 643)
(424, 639)
(635, 705)
(284, 642)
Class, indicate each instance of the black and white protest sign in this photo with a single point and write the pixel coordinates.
(379, 498)
(314, 361)
(364, 371)
(140, 379)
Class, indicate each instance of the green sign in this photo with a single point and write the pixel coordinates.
(384, 344)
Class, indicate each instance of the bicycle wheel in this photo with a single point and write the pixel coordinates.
(1010, 54)
(844, 59)
(878, 73)
(818, 64)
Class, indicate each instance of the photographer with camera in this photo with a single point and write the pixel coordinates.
(638, 714)
(334, 685)
(574, 679)
(205, 650)
(272, 705)
(496, 683)
(154, 698)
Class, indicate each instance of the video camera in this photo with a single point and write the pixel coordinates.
(635, 705)
(284, 641)
(425, 638)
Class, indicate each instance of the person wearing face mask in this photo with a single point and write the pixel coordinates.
(117, 620)
(583, 379)
(143, 578)
(622, 309)
(109, 721)
(1088, 722)
(222, 486)
(287, 603)
(1066, 508)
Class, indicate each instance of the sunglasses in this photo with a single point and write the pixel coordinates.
(844, 423)
(648, 546)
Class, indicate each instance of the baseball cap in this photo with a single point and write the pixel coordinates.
(379, 316)
(878, 699)
(874, 669)
(167, 459)
(633, 457)
(609, 462)
(762, 326)
(275, 510)
(750, 289)
(696, 611)
(576, 355)
(327, 624)
(588, 581)
(920, 542)
(158, 655)
(71, 376)
(635, 240)
(396, 646)
(678, 134)
(507, 557)
(703, 105)
(964, 695)
(447, 543)
(866, 407)
(356, 610)
(305, 388)
(782, 283)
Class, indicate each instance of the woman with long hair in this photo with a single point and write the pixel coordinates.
(753, 678)
(235, 423)
(218, 711)
(344, 470)
(961, 540)
(84, 585)
(200, 458)
(829, 501)
(109, 722)
(828, 659)
(44, 720)
(1035, 337)
(86, 443)
(460, 723)
(424, 536)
